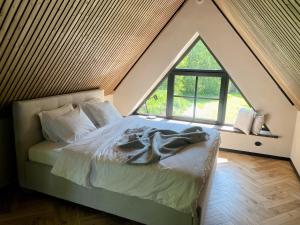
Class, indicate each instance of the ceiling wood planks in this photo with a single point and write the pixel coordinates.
(271, 28)
(50, 47)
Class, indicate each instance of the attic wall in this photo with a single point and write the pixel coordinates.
(206, 20)
(295, 155)
(272, 30)
(50, 47)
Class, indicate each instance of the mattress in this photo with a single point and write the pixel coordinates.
(45, 152)
(175, 182)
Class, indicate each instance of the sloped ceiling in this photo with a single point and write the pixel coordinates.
(49, 47)
(271, 28)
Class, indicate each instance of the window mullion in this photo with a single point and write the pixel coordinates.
(170, 94)
(195, 98)
(223, 99)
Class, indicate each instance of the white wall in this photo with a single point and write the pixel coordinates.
(205, 20)
(295, 155)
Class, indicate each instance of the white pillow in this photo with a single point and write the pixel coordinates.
(71, 126)
(244, 120)
(44, 118)
(258, 122)
(102, 113)
(85, 105)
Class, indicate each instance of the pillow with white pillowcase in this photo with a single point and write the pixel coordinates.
(258, 123)
(244, 120)
(45, 122)
(85, 107)
(102, 113)
(71, 126)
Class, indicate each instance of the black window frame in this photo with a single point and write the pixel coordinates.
(198, 73)
(225, 78)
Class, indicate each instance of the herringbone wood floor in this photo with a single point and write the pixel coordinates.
(245, 190)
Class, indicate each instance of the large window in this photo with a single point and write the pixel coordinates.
(196, 89)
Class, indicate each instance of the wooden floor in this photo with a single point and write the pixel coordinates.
(245, 190)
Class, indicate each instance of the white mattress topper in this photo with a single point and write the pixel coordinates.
(45, 152)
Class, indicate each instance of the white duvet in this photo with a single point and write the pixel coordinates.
(175, 182)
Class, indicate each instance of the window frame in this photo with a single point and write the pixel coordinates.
(225, 78)
(197, 73)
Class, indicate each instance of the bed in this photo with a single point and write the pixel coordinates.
(128, 198)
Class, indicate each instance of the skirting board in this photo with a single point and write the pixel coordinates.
(294, 168)
(255, 154)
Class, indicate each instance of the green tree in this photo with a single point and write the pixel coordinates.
(199, 58)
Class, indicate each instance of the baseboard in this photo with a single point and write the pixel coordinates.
(295, 170)
(255, 154)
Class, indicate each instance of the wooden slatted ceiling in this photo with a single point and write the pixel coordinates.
(50, 47)
(271, 28)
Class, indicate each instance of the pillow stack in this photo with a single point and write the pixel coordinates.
(67, 125)
(249, 121)
(101, 113)
(45, 117)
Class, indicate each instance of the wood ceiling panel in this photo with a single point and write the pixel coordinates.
(271, 28)
(50, 47)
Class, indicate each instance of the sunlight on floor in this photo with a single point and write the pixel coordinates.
(222, 160)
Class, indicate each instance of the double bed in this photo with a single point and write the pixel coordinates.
(172, 191)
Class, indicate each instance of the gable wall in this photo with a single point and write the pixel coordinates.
(295, 155)
(205, 20)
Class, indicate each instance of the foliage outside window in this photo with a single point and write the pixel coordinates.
(197, 89)
(235, 101)
(156, 104)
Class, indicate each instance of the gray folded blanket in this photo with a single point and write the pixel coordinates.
(147, 145)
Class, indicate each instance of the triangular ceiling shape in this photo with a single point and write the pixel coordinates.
(272, 31)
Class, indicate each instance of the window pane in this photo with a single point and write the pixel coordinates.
(183, 107)
(199, 57)
(207, 109)
(209, 87)
(235, 101)
(184, 85)
(156, 104)
(143, 109)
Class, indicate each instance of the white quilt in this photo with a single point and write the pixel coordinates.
(176, 181)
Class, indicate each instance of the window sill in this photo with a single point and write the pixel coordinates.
(223, 128)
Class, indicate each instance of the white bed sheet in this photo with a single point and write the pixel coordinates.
(45, 152)
(176, 182)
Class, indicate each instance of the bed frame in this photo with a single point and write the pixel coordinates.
(37, 176)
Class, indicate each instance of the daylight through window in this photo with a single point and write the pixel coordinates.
(198, 90)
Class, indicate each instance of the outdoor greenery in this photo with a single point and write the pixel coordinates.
(156, 104)
(206, 109)
(208, 91)
(199, 58)
(235, 101)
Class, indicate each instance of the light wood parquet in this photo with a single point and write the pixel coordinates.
(246, 190)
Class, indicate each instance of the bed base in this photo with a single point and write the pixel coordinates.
(40, 179)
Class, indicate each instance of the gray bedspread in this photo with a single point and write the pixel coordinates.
(147, 145)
